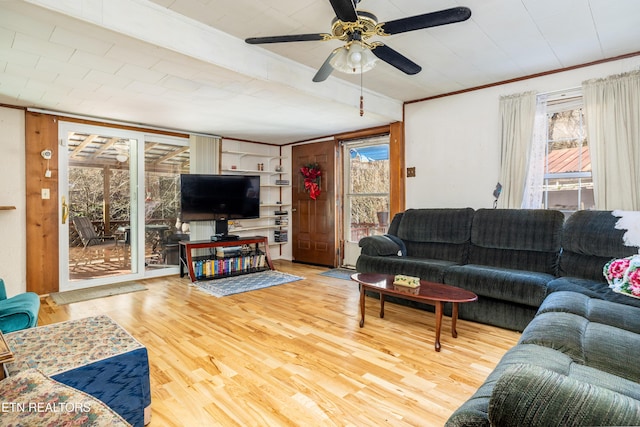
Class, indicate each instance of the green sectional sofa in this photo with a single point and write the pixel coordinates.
(573, 366)
(534, 272)
(511, 258)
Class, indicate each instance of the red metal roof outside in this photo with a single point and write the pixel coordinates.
(568, 160)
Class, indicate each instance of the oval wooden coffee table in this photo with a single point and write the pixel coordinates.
(431, 293)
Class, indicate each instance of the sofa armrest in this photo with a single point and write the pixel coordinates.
(3, 291)
(19, 312)
(534, 396)
(379, 246)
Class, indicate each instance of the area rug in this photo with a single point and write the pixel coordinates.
(68, 297)
(339, 273)
(245, 283)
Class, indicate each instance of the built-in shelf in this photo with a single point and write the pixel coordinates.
(253, 171)
(237, 161)
(7, 208)
(257, 227)
(274, 205)
(246, 153)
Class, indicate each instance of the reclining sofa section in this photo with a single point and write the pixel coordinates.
(511, 258)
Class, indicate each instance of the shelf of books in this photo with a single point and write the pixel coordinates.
(206, 268)
(224, 258)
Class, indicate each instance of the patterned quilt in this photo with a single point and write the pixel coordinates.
(30, 398)
(94, 355)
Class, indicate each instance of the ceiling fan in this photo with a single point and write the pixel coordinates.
(356, 27)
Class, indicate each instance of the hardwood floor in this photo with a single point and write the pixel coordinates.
(294, 355)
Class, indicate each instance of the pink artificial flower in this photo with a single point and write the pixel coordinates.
(634, 282)
(617, 268)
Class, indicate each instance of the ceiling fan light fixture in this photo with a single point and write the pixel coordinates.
(354, 58)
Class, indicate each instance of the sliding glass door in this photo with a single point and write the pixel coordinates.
(119, 204)
(98, 209)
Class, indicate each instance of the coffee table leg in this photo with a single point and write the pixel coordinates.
(439, 305)
(454, 318)
(361, 306)
(381, 305)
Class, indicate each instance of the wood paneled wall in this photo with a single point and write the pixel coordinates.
(397, 202)
(41, 132)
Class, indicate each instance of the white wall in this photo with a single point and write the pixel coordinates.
(454, 142)
(13, 229)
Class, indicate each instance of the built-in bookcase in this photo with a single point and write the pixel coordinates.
(275, 188)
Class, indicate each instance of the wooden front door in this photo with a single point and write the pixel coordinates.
(314, 224)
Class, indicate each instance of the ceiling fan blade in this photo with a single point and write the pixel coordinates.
(285, 39)
(345, 10)
(433, 19)
(326, 69)
(396, 59)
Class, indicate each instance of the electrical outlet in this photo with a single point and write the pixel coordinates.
(411, 172)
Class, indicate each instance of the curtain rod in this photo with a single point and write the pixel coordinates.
(569, 93)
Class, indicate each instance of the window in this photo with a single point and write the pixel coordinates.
(568, 184)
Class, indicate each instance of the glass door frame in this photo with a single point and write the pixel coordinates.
(136, 169)
(351, 250)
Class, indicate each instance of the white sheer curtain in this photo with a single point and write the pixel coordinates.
(204, 153)
(517, 113)
(612, 110)
(532, 198)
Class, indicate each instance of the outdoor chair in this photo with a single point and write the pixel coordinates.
(96, 246)
(18, 312)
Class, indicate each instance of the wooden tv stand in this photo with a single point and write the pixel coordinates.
(211, 266)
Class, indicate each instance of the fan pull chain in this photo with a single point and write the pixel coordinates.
(361, 97)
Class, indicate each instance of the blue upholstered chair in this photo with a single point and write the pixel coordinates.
(18, 312)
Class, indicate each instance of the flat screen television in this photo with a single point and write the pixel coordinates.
(219, 197)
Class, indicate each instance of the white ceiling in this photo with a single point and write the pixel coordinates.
(183, 64)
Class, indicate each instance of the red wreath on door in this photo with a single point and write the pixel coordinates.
(312, 174)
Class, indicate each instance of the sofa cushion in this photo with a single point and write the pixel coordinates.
(522, 287)
(589, 241)
(518, 229)
(534, 396)
(474, 412)
(597, 345)
(436, 225)
(395, 223)
(593, 309)
(592, 289)
(456, 253)
(496, 312)
(519, 239)
(426, 269)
